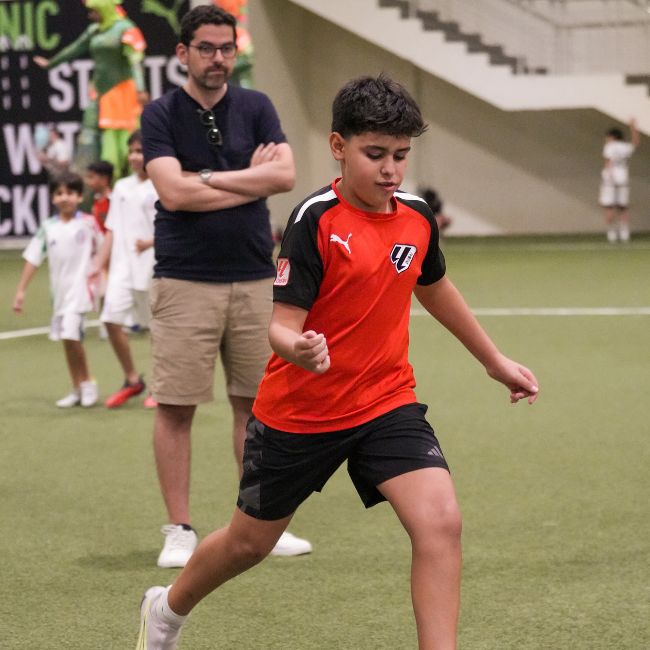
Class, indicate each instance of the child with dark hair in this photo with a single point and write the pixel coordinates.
(614, 194)
(128, 244)
(436, 204)
(69, 240)
(99, 180)
(339, 386)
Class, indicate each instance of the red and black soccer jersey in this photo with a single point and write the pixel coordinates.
(354, 271)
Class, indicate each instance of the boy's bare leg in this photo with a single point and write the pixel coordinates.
(242, 409)
(425, 502)
(222, 555)
(624, 225)
(120, 344)
(172, 449)
(75, 357)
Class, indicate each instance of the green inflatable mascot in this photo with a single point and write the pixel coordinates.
(117, 89)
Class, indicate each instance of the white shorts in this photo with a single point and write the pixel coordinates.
(125, 306)
(69, 327)
(614, 195)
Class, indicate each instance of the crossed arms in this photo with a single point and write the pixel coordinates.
(271, 171)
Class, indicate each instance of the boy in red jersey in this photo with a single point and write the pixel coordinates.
(339, 386)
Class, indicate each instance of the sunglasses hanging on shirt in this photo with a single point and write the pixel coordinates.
(213, 134)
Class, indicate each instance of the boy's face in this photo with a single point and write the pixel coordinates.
(95, 182)
(372, 166)
(136, 159)
(66, 200)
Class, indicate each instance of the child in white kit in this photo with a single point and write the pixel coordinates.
(69, 240)
(129, 246)
(615, 182)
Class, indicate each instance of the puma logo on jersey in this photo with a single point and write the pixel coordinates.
(283, 272)
(345, 244)
(402, 255)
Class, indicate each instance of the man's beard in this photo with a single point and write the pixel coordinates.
(210, 82)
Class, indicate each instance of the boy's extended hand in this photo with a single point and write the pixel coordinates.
(19, 301)
(519, 379)
(311, 352)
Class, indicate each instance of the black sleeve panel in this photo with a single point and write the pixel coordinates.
(300, 283)
(433, 266)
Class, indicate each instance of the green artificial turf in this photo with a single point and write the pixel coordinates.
(555, 497)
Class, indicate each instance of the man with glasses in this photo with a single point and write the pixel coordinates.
(214, 152)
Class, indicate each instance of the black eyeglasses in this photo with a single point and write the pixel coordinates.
(213, 134)
(207, 50)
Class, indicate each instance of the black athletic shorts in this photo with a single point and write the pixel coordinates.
(282, 469)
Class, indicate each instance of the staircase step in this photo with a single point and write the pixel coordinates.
(638, 79)
(402, 5)
(466, 38)
(453, 33)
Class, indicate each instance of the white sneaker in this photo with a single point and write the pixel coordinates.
(155, 633)
(624, 233)
(89, 393)
(179, 546)
(73, 399)
(289, 545)
(612, 236)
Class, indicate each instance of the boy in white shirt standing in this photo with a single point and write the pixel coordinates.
(615, 182)
(128, 244)
(69, 240)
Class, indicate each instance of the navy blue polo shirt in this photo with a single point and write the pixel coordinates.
(230, 245)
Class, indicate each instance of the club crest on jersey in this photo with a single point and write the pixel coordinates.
(283, 272)
(402, 255)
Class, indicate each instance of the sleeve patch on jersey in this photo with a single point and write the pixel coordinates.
(284, 270)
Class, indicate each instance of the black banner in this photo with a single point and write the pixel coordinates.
(31, 97)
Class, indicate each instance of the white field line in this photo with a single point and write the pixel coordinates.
(551, 311)
(35, 331)
(466, 246)
(418, 311)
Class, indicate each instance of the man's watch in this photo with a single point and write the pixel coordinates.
(205, 175)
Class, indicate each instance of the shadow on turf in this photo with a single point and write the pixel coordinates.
(135, 560)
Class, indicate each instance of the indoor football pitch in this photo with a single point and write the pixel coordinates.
(555, 496)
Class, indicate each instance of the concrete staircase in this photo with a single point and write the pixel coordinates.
(454, 33)
(444, 50)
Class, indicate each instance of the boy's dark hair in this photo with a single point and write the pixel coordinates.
(205, 15)
(102, 168)
(69, 180)
(377, 105)
(136, 136)
(616, 133)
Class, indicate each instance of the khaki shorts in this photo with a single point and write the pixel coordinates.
(192, 322)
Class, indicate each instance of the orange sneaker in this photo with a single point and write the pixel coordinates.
(125, 393)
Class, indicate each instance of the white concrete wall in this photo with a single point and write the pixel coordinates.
(610, 49)
(504, 172)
